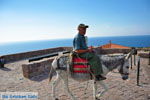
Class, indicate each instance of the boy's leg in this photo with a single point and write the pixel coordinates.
(94, 61)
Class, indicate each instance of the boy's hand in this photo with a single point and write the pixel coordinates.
(90, 49)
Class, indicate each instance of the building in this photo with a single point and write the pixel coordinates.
(112, 46)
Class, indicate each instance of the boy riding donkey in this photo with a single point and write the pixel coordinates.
(80, 47)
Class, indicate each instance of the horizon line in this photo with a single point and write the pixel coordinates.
(69, 38)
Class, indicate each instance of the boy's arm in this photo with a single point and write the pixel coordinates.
(82, 51)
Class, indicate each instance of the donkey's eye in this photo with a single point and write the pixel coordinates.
(128, 67)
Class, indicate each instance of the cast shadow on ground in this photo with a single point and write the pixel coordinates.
(41, 77)
(5, 69)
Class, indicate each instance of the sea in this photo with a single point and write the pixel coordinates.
(18, 47)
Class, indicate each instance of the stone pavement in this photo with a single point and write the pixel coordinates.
(11, 79)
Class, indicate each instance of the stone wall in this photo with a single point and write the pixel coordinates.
(143, 49)
(25, 55)
(144, 54)
(37, 67)
(68, 48)
(112, 51)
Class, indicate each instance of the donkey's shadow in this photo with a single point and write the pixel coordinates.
(5, 69)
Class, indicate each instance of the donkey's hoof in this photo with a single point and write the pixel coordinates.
(56, 99)
(97, 99)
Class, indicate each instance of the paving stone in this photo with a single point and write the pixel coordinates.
(118, 89)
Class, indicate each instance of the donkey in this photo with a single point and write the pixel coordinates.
(60, 65)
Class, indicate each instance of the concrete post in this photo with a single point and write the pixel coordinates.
(138, 71)
(149, 58)
(131, 61)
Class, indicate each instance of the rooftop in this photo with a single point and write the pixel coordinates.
(112, 45)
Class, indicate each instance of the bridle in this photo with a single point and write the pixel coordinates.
(121, 68)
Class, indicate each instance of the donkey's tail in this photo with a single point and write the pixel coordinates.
(53, 68)
(51, 73)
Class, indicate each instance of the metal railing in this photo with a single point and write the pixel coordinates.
(46, 56)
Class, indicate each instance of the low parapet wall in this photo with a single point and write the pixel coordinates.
(143, 49)
(26, 55)
(36, 68)
(144, 54)
(112, 51)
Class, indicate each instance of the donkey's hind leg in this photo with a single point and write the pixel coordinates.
(65, 80)
(54, 84)
(105, 88)
(94, 90)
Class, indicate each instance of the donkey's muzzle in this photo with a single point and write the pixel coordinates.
(125, 77)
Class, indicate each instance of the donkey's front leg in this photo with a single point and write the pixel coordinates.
(105, 89)
(65, 79)
(54, 84)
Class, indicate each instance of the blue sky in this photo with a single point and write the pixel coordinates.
(22, 20)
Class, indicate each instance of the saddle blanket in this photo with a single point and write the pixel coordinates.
(80, 65)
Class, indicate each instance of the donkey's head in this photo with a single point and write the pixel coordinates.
(119, 62)
(124, 69)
